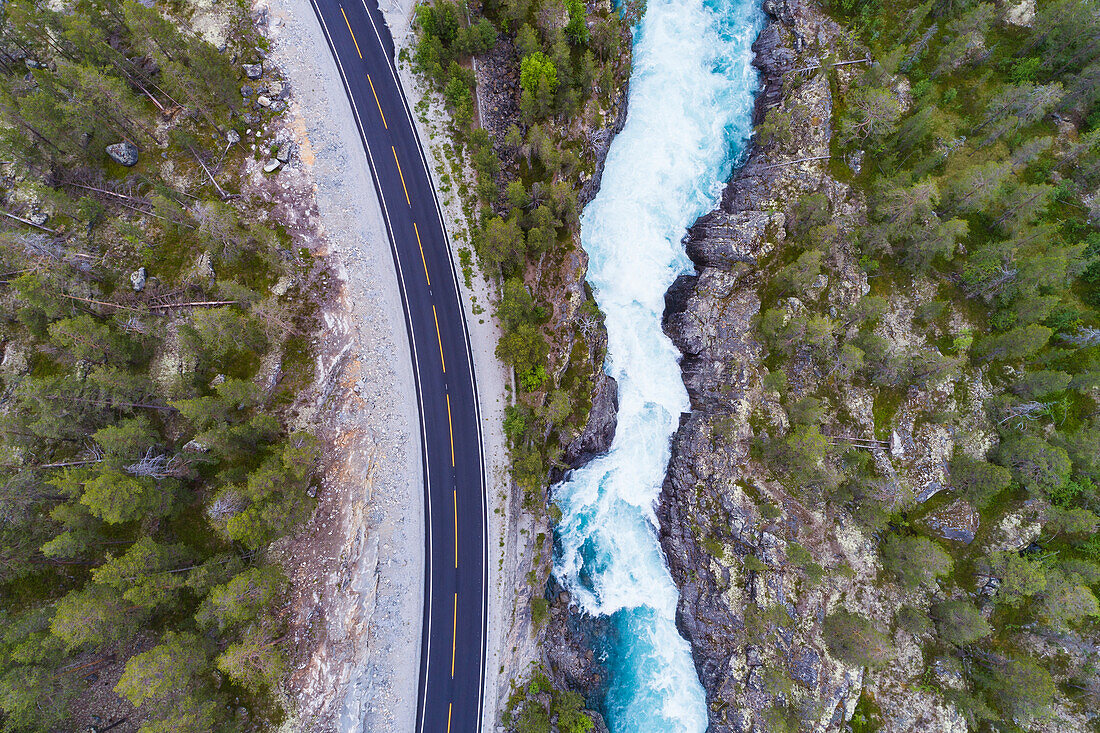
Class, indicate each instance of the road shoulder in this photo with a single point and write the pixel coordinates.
(358, 567)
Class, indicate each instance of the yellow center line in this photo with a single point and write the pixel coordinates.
(449, 717)
(351, 32)
(395, 160)
(456, 528)
(377, 102)
(439, 338)
(422, 260)
(454, 635)
(451, 429)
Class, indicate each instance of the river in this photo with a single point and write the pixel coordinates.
(689, 117)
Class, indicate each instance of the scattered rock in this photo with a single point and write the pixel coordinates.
(15, 359)
(233, 136)
(123, 153)
(272, 165)
(253, 71)
(38, 218)
(855, 161)
(285, 151)
(1021, 14)
(277, 105)
(279, 288)
(263, 100)
(958, 521)
(247, 91)
(897, 445)
(204, 267)
(137, 279)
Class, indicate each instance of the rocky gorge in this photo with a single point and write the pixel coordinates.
(760, 563)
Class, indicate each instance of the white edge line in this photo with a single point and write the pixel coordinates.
(412, 335)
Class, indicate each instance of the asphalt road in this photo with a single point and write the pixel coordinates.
(452, 662)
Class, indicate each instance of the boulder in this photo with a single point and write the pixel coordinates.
(137, 279)
(286, 149)
(272, 165)
(123, 153)
(720, 239)
(263, 100)
(600, 428)
(253, 71)
(957, 521)
(232, 136)
(38, 218)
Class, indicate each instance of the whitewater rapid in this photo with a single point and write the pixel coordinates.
(690, 109)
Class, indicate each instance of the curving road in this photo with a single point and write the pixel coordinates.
(452, 661)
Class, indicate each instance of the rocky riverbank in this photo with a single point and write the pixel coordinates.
(758, 563)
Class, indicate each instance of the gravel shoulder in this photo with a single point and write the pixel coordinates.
(357, 570)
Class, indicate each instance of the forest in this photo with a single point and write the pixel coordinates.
(571, 63)
(973, 137)
(155, 335)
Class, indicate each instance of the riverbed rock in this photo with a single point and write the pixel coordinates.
(721, 239)
(123, 153)
(599, 431)
(573, 645)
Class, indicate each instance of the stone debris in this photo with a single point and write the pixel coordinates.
(286, 149)
(123, 153)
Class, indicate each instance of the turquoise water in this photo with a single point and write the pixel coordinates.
(690, 108)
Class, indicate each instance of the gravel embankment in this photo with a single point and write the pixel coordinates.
(358, 582)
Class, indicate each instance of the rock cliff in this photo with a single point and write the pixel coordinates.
(761, 563)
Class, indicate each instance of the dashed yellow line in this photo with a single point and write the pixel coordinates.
(395, 160)
(377, 102)
(351, 32)
(456, 528)
(449, 717)
(454, 637)
(422, 260)
(439, 338)
(451, 429)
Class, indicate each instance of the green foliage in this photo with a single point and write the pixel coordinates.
(852, 639)
(914, 560)
(1039, 466)
(976, 480)
(538, 78)
(525, 712)
(959, 622)
(1021, 578)
(114, 519)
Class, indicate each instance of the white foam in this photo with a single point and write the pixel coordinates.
(689, 114)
